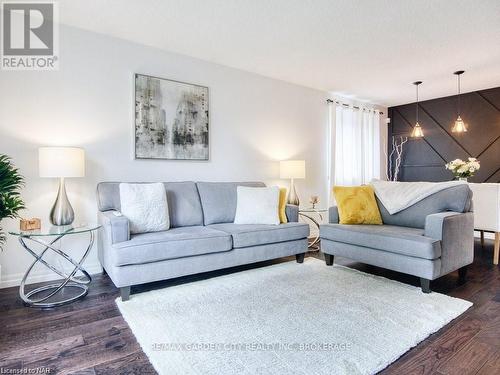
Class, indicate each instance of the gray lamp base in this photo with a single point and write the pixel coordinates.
(293, 198)
(62, 213)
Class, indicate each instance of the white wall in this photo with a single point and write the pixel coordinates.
(254, 122)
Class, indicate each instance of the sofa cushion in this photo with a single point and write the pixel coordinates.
(396, 239)
(145, 206)
(183, 201)
(174, 243)
(218, 200)
(245, 235)
(456, 198)
(282, 205)
(184, 204)
(257, 205)
(357, 205)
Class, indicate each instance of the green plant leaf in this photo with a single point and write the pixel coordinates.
(11, 183)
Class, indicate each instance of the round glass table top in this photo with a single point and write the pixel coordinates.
(56, 230)
(310, 209)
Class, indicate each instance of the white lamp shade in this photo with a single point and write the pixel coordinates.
(61, 162)
(293, 169)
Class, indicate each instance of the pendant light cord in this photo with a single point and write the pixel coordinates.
(417, 102)
(458, 74)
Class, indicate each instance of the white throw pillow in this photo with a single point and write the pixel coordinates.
(257, 205)
(146, 207)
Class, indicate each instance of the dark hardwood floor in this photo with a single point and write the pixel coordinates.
(90, 336)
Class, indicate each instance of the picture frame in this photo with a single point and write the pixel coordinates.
(172, 119)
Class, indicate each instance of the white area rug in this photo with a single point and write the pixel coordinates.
(287, 318)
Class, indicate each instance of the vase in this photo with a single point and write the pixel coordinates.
(462, 179)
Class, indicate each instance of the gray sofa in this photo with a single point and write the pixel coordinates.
(202, 236)
(429, 239)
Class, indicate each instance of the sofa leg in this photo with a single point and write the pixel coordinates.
(125, 293)
(300, 257)
(462, 274)
(329, 259)
(425, 284)
(496, 249)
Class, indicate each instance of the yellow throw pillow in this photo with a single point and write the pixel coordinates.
(282, 206)
(357, 205)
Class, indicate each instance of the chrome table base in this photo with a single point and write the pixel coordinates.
(314, 241)
(70, 281)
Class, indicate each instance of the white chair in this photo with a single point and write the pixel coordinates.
(486, 200)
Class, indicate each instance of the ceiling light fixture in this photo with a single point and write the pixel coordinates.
(459, 126)
(417, 129)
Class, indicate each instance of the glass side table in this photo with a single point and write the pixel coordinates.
(47, 238)
(309, 214)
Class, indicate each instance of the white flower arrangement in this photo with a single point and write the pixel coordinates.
(463, 169)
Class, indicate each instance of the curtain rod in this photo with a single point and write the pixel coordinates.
(353, 106)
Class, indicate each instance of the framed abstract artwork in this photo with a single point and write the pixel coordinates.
(171, 120)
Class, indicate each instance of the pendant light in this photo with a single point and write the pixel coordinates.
(459, 126)
(417, 129)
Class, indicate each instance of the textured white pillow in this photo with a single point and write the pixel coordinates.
(257, 205)
(146, 207)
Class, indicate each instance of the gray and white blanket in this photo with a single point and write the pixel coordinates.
(396, 195)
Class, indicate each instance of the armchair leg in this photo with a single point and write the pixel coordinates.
(462, 273)
(125, 293)
(329, 259)
(300, 257)
(425, 284)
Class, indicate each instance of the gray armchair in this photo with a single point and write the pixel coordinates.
(429, 239)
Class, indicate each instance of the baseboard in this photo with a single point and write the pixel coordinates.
(15, 279)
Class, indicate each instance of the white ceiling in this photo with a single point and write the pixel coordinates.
(370, 50)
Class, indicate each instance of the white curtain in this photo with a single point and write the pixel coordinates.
(354, 149)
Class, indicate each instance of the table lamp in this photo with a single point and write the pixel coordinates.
(61, 162)
(293, 169)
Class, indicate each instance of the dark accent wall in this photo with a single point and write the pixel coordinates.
(424, 159)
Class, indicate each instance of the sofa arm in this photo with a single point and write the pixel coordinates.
(116, 228)
(333, 215)
(456, 232)
(292, 213)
